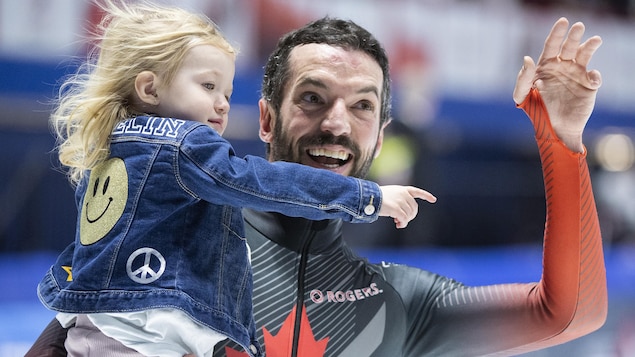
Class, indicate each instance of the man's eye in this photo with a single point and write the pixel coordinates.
(311, 98)
(365, 105)
(209, 86)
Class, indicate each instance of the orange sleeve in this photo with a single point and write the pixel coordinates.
(572, 293)
(569, 301)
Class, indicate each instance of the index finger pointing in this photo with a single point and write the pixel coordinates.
(421, 194)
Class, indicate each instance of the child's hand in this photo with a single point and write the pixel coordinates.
(399, 203)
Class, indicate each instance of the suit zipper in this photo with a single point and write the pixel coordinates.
(299, 305)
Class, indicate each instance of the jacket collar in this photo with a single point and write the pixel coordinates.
(292, 232)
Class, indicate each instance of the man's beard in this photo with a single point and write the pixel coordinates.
(281, 148)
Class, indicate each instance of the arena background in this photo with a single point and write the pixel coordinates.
(456, 133)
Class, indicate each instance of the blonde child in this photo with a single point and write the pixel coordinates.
(159, 265)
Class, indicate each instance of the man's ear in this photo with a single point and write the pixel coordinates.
(266, 121)
(380, 138)
(145, 85)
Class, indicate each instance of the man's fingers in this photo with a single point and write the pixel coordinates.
(525, 80)
(587, 49)
(554, 39)
(571, 43)
(595, 78)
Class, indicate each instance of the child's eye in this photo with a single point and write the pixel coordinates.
(209, 86)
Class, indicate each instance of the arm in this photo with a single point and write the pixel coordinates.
(571, 298)
(209, 168)
(574, 277)
(50, 342)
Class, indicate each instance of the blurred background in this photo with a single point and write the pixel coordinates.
(456, 133)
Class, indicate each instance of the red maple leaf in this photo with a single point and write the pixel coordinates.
(280, 345)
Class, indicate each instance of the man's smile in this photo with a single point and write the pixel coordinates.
(329, 158)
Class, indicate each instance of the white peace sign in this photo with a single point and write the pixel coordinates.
(145, 274)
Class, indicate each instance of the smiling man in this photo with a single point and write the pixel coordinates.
(326, 102)
(335, 101)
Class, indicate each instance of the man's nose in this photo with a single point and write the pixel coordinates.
(337, 120)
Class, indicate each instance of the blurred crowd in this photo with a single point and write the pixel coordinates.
(455, 132)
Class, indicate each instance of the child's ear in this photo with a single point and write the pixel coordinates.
(146, 87)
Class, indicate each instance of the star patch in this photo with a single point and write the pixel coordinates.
(69, 271)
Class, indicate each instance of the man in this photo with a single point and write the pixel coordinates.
(326, 102)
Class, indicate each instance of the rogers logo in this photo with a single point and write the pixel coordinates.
(318, 296)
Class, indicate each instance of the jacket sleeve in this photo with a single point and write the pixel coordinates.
(569, 301)
(210, 169)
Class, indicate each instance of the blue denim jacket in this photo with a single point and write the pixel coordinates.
(160, 224)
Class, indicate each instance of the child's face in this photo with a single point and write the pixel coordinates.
(201, 88)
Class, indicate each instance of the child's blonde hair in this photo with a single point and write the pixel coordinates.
(130, 39)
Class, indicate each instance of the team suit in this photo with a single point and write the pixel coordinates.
(350, 307)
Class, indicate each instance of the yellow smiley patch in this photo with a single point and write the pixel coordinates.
(104, 201)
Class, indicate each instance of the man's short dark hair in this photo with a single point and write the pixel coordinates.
(331, 31)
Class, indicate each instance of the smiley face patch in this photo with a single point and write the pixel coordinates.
(104, 201)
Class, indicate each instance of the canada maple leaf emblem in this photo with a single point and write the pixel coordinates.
(280, 345)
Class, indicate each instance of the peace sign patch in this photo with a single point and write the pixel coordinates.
(145, 265)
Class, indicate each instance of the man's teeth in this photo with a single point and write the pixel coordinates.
(340, 155)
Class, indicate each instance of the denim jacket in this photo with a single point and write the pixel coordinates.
(160, 224)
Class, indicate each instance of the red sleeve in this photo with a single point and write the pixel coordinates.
(569, 301)
(572, 294)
